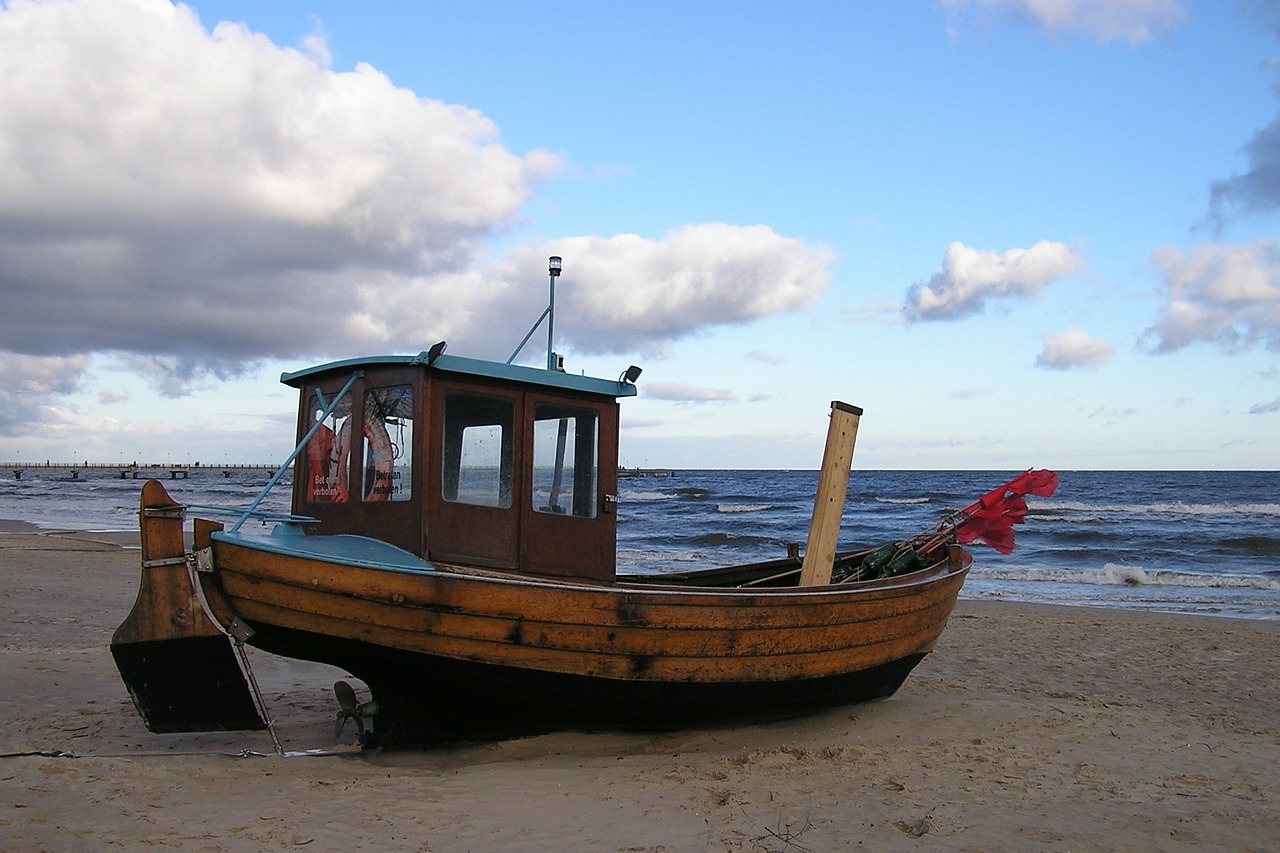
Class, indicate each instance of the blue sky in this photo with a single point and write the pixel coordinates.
(1016, 232)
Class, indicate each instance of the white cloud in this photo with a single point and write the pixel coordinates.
(1109, 415)
(881, 314)
(157, 174)
(316, 44)
(1257, 189)
(680, 393)
(36, 375)
(193, 201)
(1073, 348)
(1227, 296)
(969, 278)
(134, 109)
(1133, 21)
(1265, 408)
(30, 387)
(765, 357)
(629, 292)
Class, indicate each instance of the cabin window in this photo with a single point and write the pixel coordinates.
(329, 450)
(565, 471)
(479, 431)
(388, 444)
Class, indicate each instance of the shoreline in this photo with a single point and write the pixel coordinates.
(1259, 611)
(124, 539)
(1029, 725)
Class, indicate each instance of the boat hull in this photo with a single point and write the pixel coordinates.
(454, 653)
(427, 699)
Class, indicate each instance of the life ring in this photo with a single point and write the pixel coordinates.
(329, 459)
(340, 463)
(379, 466)
(322, 479)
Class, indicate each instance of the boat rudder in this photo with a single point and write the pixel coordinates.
(180, 669)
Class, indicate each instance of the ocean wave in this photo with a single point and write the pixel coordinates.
(1117, 574)
(734, 539)
(1236, 604)
(902, 500)
(1080, 535)
(1255, 546)
(687, 494)
(1045, 508)
(650, 562)
(648, 496)
(1077, 518)
(691, 493)
(743, 507)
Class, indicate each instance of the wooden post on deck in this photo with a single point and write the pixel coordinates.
(828, 506)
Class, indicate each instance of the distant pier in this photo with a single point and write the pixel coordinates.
(135, 471)
(645, 472)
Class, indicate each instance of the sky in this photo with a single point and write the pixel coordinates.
(1016, 233)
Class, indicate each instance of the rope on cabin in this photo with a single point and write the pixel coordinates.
(257, 696)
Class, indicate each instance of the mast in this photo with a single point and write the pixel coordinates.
(548, 314)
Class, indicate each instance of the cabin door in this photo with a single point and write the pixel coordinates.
(475, 518)
(568, 526)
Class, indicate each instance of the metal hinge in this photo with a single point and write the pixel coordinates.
(203, 559)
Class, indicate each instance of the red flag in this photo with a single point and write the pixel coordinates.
(1040, 483)
(991, 518)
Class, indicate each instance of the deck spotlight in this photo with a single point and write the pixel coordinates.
(631, 374)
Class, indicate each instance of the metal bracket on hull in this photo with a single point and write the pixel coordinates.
(165, 561)
(214, 602)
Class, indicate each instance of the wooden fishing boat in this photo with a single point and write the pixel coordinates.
(452, 545)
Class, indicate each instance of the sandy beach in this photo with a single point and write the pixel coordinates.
(1029, 727)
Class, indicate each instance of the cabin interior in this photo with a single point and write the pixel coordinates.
(464, 462)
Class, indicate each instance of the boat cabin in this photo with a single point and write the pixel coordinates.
(463, 461)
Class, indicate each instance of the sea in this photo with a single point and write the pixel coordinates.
(1203, 542)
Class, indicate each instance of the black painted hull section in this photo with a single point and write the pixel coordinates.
(426, 699)
(188, 684)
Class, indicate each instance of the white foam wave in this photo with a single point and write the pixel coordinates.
(743, 507)
(1040, 508)
(902, 500)
(647, 562)
(1118, 574)
(647, 496)
(1234, 604)
(1075, 518)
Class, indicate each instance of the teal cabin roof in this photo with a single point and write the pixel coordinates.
(445, 363)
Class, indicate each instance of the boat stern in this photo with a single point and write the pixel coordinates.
(180, 669)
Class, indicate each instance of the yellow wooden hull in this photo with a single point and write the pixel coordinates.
(440, 648)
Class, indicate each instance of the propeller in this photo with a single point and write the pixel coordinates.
(351, 709)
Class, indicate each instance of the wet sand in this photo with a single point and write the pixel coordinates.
(1029, 727)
